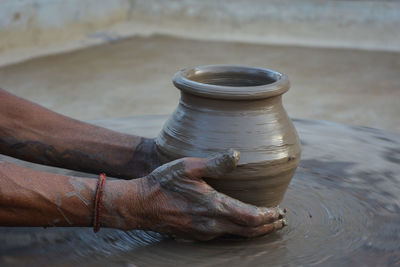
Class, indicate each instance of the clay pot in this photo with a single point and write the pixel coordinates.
(224, 106)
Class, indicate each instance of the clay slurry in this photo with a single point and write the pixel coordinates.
(342, 207)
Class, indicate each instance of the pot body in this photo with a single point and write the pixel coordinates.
(259, 129)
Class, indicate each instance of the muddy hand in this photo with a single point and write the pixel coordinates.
(177, 201)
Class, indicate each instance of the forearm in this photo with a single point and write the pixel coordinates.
(33, 198)
(33, 133)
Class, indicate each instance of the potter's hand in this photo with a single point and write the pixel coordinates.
(175, 200)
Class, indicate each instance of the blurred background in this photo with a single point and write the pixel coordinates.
(98, 59)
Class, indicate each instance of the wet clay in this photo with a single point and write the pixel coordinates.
(183, 205)
(343, 208)
(226, 106)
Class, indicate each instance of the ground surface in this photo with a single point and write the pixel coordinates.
(133, 76)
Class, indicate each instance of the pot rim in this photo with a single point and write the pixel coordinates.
(276, 83)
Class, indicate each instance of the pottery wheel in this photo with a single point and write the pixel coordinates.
(343, 209)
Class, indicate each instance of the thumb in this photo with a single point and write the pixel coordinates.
(222, 163)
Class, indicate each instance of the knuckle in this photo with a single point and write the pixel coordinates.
(252, 218)
(207, 226)
(216, 208)
(207, 231)
(276, 213)
(211, 226)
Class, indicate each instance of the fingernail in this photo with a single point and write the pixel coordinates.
(234, 154)
(228, 159)
(231, 154)
(282, 213)
(284, 222)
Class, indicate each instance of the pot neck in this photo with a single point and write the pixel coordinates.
(209, 104)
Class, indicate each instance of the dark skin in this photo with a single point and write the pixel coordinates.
(36, 134)
(171, 198)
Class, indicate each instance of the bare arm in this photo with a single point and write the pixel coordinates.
(33, 133)
(173, 199)
(33, 198)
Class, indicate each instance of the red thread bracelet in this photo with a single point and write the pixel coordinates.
(98, 202)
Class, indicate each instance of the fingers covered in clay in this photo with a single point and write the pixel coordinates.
(183, 204)
(256, 216)
(246, 214)
(222, 163)
(216, 228)
(213, 167)
(259, 230)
